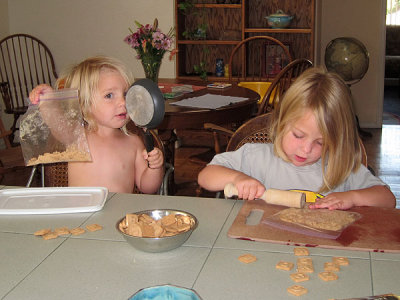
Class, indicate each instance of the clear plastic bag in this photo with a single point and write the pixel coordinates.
(53, 130)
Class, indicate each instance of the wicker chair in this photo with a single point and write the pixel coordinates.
(255, 130)
(56, 174)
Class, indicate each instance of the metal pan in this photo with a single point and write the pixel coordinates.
(146, 107)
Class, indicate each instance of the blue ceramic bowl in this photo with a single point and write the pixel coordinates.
(167, 291)
(279, 20)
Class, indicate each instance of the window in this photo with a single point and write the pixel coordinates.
(393, 12)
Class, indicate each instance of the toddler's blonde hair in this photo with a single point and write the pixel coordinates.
(85, 77)
(329, 99)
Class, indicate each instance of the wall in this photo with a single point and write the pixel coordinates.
(76, 29)
(365, 21)
(3, 18)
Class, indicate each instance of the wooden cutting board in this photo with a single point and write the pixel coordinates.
(378, 230)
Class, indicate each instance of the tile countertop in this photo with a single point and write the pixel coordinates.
(101, 265)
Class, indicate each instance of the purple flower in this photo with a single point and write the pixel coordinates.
(149, 40)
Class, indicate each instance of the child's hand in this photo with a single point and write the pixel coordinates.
(154, 158)
(37, 91)
(341, 201)
(248, 187)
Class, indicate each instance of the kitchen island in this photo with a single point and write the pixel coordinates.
(102, 265)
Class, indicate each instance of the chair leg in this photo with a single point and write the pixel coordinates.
(33, 172)
(13, 130)
(165, 182)
(31, 176)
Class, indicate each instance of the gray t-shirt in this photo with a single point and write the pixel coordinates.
(260, 162)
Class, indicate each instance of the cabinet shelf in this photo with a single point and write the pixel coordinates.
(225, 25)
(273, 30)
(206, 42)
(238, 6)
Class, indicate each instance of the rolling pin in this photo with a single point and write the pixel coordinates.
(273, 196)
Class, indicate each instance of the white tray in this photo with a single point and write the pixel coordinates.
(52, 200)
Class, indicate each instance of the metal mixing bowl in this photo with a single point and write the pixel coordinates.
(163, 243)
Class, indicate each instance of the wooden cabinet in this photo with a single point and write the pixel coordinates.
(207, 30)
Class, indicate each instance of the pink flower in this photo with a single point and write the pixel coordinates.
(150, 40)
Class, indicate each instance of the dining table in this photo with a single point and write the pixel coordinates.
(178, 117)
(186, 117)
(103, 265)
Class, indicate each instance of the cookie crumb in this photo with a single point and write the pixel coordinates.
(297, 290)
(247, 258)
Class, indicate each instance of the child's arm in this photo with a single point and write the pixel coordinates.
(215, 177)
(378, 195)
(149, 171)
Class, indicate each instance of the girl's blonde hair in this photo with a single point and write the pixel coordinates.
(329, 98)
(85, 77)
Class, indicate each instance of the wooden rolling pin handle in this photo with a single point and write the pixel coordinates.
(273, 196)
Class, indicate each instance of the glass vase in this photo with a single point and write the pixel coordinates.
(151, 66)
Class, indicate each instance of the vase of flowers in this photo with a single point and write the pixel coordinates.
(150, 45)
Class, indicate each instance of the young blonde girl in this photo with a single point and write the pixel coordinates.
(119, 160)
(315, 147)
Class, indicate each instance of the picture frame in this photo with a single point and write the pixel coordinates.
(274, 59)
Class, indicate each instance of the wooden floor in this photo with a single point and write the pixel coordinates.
(382, 150)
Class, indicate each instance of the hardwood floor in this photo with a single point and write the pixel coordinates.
(384, 156)
(382, 150)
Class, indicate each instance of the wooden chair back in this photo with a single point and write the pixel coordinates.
(255, 130)
(25, 62)
(248, 59)
(281, 83)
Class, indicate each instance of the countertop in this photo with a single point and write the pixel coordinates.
(102, 265)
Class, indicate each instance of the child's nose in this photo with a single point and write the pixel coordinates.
(307, 147)
(122, 100)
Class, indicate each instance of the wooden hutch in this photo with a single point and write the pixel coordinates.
(208, 29)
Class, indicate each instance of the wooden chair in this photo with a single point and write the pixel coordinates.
(11, 158)
(25, 62)
(247, 61)
(249, 66)
(255, 130)
(281, 83)
(56, 174)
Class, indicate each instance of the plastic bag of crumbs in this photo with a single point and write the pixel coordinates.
(53, 131)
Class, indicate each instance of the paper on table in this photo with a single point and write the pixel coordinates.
(210, 101)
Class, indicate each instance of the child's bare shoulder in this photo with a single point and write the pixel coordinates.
(134, 140)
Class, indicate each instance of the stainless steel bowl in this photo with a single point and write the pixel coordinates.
(163, 243)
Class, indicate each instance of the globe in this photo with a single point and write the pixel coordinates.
(347, 57)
